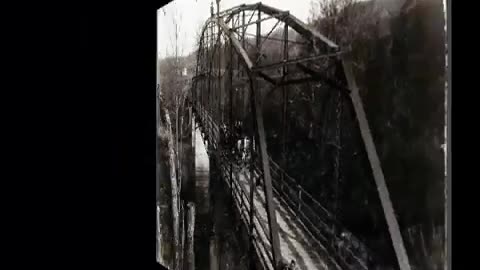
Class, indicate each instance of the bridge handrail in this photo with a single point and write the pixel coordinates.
(242, 202)
(265, 246)
(292, 184)
(300, 188)
(311, 212)
(340, 227)
(300, 203)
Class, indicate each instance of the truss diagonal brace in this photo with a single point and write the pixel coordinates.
(267, 78)
(236, 44)
(388, 210)
(267, 178)
(291, 20)
(319, 76)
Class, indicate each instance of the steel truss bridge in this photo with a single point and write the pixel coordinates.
(234, 67)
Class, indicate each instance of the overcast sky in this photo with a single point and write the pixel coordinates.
(194, 13)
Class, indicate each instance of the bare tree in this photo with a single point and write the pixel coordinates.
(173, 95)
(175, 197)
(345, 21)
(173, 83)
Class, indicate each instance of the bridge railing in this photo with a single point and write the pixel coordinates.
(348, 252)
(241, 197)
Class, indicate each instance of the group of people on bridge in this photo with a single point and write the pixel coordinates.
(240, 145)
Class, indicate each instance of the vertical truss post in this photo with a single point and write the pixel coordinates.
(219, 61)
(200, 94)
(212, 83)
(209, 84)
(194, 94)
(205, 80)
(233, 27)
(211, 49)
(267, 180)
(202, 89)
(338, 142)
(224, 80)
(252, 190)
(244, 29)
(285, 99)
(267, 183)
(230, 135)
(252, 156)
(388, 210)
(219, 86)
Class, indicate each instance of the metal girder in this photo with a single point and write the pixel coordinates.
(236, 44)
(267, 179)
(295, 61)
(278, 39)
(207, 54)
(268, 78)
(314, 76)
(289, 19)
(318, 76)
(370, 148)
(257, 21)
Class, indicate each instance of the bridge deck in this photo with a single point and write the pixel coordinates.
(295, 242)
(302, 233)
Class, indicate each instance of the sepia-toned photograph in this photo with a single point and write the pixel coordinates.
(302, 135)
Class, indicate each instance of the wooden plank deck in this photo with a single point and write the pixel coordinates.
(295, 242)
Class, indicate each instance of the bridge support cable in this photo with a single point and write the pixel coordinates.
(389, 212)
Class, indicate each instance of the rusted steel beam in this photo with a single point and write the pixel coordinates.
(249, 19)
(267, 180)
(318, 76)
(230, 142)
(219, 67)
(298, 81)
(257, 111)
(294, 61)
(236, 44)
(291, 20)
(277, 16)
(268, 35)
(268, 78)
(388, 210)
(278, 39)
(299, 26)
(252, 193)
(243, 39)
(199, 76)
(284, 97)
(234, 10)
(229, 10)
